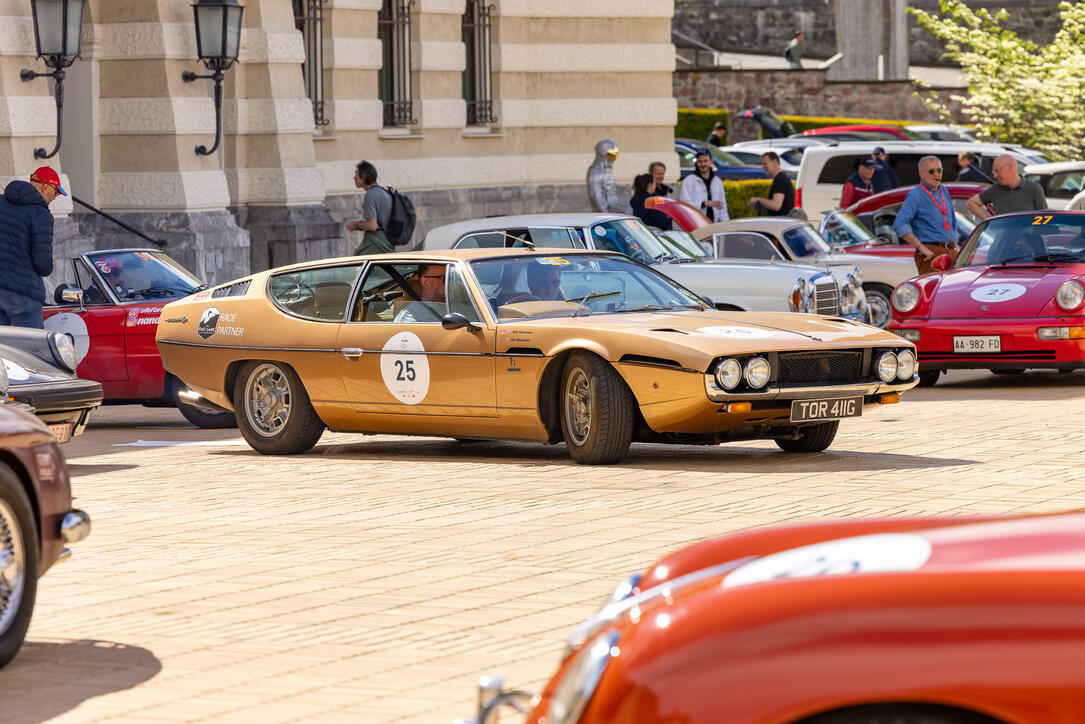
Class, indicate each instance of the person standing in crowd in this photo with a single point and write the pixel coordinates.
(376, 212)
(703, 190)
(927, 219)
(793, 50)
(26, 247)
(659, 175)
(1078, 202)
(781, 199)
(970, 170)
(718, 135)
(859, 185)
(1010, 193)
(885, 178)
(644, 187)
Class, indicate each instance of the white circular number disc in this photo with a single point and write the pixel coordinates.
(736, 332)
(881, 553)
(998, 292)
(406, 375)
(73, 325)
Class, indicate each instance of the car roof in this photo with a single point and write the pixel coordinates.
(1056, 167)
(768, 223)
(451, 232)
(442, 256)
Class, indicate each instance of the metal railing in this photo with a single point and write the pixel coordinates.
(394, 31)
(309, 19)
(478, 75)
(118, 222)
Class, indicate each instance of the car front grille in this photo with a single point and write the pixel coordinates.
(801, 368)
(826, 297)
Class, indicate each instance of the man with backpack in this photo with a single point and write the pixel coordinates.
(388, 217)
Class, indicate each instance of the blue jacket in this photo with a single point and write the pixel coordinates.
(26, 241)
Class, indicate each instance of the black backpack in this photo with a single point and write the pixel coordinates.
(401, 223)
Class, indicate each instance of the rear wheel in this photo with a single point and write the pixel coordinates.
(273, 410)
(18, 563)
(596, 411)
(904, 714)
(814, 438)
(881, 311)
(928, 378)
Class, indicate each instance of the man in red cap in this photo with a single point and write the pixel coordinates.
(26, 246)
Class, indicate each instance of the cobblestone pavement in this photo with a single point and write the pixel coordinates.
(376, 578)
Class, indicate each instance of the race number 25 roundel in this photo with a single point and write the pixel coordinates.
(405, 368)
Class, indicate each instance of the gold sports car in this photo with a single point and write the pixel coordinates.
(590, 348)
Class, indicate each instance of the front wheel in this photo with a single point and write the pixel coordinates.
(273, 410)
(811, 439)
(596, 411)
(877, 297)
(18, 563)
(928, 378)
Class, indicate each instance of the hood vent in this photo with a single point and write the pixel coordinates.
(641, 359)
(671, 330)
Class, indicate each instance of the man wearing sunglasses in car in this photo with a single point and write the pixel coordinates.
(927, 219)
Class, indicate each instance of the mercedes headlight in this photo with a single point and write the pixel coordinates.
(757, 372)
(64, 350)
(857, 275)
(905, 364)
(3, 381)
(729, 373)
(1070, 295)
(905, 297)
(799, 298)
(887, 367)
(574, 691)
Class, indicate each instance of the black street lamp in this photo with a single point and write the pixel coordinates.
(58, 32)
(218, 40)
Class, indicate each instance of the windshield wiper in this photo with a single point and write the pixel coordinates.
(1035, 257)
(661, 308)
(682, 260)
(594, 295)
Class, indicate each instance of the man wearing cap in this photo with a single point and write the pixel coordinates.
(26, 246)
(927, 219)
(885, 177)
(859, 185)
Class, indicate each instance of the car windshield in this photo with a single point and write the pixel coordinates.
(139, 275)
(804, 241)
(632, 238)
(842, 228)
(538, 286)
(1026, 239)
(683, 244)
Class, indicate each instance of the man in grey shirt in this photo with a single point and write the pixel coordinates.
(1010, 193)
(432, 306)
(376, 212)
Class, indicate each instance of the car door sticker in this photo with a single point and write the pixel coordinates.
(73, 326)
(736, 332)
(17, 373)
(405, 368)
(998, 292)
(879, 553)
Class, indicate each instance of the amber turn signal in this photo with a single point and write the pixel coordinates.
(739, 407)
(891, 398)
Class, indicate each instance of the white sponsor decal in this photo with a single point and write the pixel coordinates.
(998, 292)
(880, 553)
(16, 372)
(405, 375)
(73, 326)
(736, 332)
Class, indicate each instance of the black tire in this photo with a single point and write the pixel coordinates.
(898, 714)
(1008, 372)
(929, 378)
(280, 420)
(204, 419)
(814, 438)
(881, 309)
(18, 563)
(596, 411)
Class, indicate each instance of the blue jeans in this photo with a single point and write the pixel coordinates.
(19, 311)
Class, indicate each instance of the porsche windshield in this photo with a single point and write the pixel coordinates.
(804, 241)
(575, 285)
(138, 275)
(1046, 238)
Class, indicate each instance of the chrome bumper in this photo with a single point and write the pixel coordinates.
(718, 394)
(74, 527)
(492, 696)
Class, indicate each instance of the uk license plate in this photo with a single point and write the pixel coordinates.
(974, 345)
(62, 431)
(834, 409)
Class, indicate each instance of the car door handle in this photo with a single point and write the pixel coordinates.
(351, 352)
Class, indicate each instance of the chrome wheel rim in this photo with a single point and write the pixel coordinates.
(268, 400)
(12, 566)
(880, 311)
(578, 406)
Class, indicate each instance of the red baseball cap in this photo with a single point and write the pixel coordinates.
(46, 175)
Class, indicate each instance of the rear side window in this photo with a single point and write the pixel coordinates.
(837, 168)
(320, 294)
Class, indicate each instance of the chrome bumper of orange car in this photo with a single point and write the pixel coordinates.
(492, 697)
(805, 392)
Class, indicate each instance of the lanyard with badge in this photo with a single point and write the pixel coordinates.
(939, 204)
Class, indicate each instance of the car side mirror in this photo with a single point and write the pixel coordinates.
(454, 320)
(73, 295)
(942, 262)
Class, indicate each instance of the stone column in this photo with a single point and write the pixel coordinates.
(859, 36)
(896, 43)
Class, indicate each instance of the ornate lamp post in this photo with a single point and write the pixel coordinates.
(58, 32)
(218, 40)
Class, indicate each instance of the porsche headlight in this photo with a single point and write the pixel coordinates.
(3, 381)
(729, 373)
(574, 691)
(64, 350)
(757, 372)
(905, 298)
(887, 367)
(905, 364)
(1070, 295)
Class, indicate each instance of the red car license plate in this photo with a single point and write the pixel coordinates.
(977, 344)
(807, 410)
(62, 431)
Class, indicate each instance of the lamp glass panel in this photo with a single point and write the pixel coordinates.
(75, 28)
(50, 26)
(209, 31)
(233, 31)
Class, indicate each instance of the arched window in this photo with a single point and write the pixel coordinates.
(309, 19)
(394, 30)
(477, 76)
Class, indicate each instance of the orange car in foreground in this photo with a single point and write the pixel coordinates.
(897, 621)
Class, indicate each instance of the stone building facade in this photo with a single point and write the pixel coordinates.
(563, 75)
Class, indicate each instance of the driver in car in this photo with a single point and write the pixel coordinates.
(544, 281)
(431, 308)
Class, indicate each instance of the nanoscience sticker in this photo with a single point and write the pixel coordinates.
(736, 332)
(880, 553)
(405, 368)
(998, 292)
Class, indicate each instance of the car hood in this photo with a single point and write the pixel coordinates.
(27, 369)
(720, 269)
(999, 291)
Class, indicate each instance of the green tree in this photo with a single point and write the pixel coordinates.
(1018, 92)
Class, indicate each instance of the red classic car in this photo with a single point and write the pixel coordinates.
(112, 315)
(1014, 299)
(865, 132)
(36, 517)
(894, 621)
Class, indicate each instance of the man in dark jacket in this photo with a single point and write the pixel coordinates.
(26, 246)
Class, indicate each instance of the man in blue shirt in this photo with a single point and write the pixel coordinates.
(927, 219)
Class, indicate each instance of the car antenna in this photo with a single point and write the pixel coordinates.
(529, 245)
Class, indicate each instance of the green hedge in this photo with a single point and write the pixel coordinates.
(739, 193)
(697, 123)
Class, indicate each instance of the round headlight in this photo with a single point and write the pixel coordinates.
(905, 364)
(3, 380)
(757, 372)
(857, 275)
(573, 692)
(887, 367)
(797, 298)
(729, 373)
(905, 298)
(64, 350)
(1070, 295)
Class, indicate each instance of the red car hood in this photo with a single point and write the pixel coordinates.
(997, 291)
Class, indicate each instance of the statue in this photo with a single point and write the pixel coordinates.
(602, 191)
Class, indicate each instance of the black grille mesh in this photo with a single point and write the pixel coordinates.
(819, 367)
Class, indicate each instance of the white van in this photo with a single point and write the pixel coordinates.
(824, 169)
